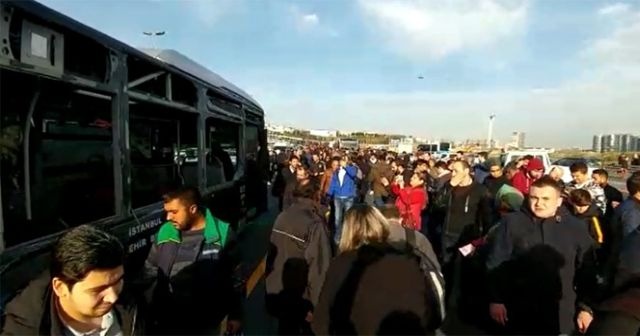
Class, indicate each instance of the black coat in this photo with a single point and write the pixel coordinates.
(534, 265)
(34, 312)
(299, 236)
(389, 296)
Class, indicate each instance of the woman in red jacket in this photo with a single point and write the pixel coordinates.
(411, 200)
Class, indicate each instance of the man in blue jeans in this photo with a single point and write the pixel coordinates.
(343, 189)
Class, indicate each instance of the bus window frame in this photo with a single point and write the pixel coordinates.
(240, 160)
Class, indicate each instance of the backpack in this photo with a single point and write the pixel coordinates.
(433, 277)
(340, 312)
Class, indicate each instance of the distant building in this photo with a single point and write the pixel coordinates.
(616, 143)
(517, 139)
(323, 133)
(596, 145)
(628, 143)
(279, 128)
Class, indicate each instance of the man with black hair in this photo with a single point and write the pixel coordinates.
(193, 263)
(582, 180)
(80, 295)
(537, 266)
(613, 195)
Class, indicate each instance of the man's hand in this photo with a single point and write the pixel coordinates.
(614, 204)
(233, 327)
(583, 320)
(384, 181)
(498, 313)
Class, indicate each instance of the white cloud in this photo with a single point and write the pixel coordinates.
(304, 21)
(621, 48)
(432, 30)
(602, 99)
(310, 19)
(614, 9)
(310, 23)
(209, 12)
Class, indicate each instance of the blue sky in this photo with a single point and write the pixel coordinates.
(558, 70)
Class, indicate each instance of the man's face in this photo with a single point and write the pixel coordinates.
(180, 215)
(421, 168)
(416, 181)
(458, 173)
(94, 296)
(294, 163)
(335, 164)
(495, 171)
(394, 167)
(536, 174)
(343, 163)
(316, 158)
(599, 179)
(579, 177)
(544, 202)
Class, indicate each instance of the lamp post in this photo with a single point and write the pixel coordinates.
(490, 135)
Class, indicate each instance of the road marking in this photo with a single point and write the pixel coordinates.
(250, 285)
(255, 277)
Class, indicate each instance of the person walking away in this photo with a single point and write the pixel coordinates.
(399, 235)
(372, 288)
(298, 260)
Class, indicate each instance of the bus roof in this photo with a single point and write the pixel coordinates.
(184, 63)
(168, 58)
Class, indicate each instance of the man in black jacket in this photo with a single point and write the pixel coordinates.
(536, 259)
(80, 295)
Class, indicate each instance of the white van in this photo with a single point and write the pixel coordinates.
(512, 156)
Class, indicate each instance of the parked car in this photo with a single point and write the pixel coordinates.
(512, 156)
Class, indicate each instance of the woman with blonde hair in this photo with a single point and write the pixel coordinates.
(372, 287)
(363, 225)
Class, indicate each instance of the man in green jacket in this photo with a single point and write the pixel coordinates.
(194, 267)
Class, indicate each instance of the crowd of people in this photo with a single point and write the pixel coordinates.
(363, 234)
(368, 242)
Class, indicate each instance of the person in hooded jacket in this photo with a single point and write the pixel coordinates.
(583, 207)
(533, 264)
(528, 174)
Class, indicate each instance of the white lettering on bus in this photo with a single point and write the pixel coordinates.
(148, 225)
(137, 245)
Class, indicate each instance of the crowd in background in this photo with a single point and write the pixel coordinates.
(520, 251)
